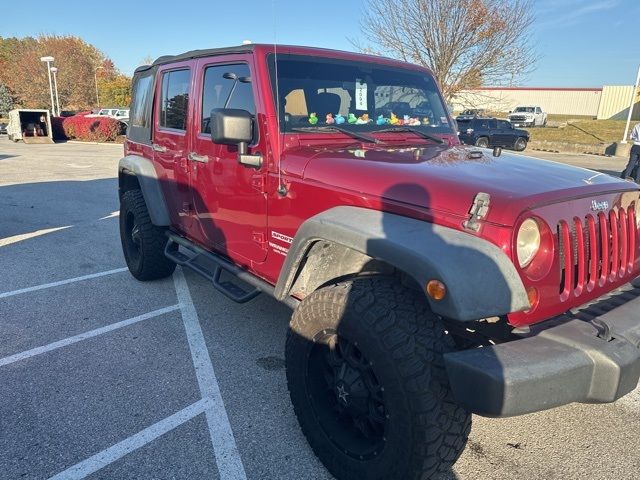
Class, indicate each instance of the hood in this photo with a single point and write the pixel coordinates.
(445, 180)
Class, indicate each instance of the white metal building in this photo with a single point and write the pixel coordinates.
(608, 102)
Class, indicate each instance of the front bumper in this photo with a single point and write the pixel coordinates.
(575, 361)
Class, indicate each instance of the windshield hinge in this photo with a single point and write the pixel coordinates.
(477, 212)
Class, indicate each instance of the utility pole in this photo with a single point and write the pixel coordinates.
(633, 98)
(49, 60)
(54, 70)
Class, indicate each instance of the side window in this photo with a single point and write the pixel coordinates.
(538, 110)
(504, 125)
(483, 124)
(218, 90)
(175, 99)
(493, 124)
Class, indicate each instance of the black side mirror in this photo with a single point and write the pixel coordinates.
(231, 126)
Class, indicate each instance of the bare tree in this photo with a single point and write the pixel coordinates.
(466, 43)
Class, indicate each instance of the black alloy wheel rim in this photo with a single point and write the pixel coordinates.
(132, 235)
(346, 396)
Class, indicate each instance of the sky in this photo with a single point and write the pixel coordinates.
(580, 43)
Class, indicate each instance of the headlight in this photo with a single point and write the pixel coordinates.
(528, 242)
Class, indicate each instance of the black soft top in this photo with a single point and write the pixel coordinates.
(207, 52)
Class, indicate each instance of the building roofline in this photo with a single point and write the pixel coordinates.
(550, 89)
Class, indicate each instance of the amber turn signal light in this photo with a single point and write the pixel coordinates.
(532, 295)
(436, 290)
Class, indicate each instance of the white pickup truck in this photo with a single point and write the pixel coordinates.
(528, 116)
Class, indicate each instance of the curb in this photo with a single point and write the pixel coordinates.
(93, 143)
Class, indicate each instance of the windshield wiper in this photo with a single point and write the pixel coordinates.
(413, 130)
(333, 128)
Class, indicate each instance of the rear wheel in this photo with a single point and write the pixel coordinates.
(520, 144)
(143, 243)
(366, 375)
(482, 142)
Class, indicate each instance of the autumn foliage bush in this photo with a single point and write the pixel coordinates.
(89, 129)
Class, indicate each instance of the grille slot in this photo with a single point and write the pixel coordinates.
(595, 250)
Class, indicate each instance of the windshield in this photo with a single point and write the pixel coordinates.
(367, 97)
(524, 109)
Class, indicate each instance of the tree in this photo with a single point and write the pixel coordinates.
(6, 100)
(26, 76)
(115, 90)
(465, 43)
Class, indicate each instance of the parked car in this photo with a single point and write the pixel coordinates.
(428, 281)
(490, 132)
(3, 128)
(471, 113)
(528, 116)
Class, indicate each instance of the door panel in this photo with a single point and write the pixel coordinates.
(229, 199)
(171, 142)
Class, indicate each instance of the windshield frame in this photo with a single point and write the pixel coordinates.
(448, 129)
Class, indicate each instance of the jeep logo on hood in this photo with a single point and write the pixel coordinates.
(598, 206)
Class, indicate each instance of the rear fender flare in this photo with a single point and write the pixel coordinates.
(143, 169)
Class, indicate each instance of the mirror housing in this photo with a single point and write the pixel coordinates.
(232, 126)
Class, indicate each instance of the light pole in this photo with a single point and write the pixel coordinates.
(633, 98)
(95, 76)
(54, 70)
(49, 60)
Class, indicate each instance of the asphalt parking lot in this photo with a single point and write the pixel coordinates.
(102, 376)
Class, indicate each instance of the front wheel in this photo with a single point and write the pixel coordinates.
(520, 144)
(366, 376)
(143, 243)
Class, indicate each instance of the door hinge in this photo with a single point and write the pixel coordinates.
(258, 183)
(259, 238)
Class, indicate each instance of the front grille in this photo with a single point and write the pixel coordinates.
(595, 250)
(518, 118)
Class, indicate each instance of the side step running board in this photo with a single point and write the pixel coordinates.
(229, 289)
(193, 259)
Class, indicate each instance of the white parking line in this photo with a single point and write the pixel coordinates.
(83, 336)
(128, 445)
(228, 459)
(26, 236)
(61, 282)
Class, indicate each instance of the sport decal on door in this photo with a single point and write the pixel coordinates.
(279, 249)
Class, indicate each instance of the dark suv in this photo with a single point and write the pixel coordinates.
(489, 132)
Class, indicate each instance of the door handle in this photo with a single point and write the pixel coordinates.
(159, 148)
(194, 157)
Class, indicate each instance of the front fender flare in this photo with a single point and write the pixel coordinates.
(481, 280)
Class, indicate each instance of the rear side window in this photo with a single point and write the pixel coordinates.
(218, 91)
(174, 102)
(139, 128)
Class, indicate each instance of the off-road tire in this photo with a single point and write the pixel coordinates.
(425, 430)
(520, 144)
(482, 142)
(145, 259)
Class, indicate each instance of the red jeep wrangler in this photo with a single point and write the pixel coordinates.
(428, 280)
